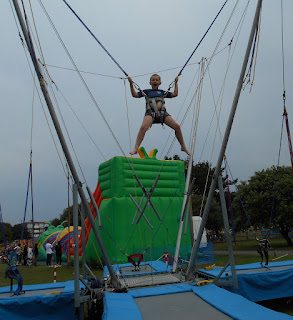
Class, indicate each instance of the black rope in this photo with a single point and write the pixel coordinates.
(277, 173)
(180, 72)
(99, 42)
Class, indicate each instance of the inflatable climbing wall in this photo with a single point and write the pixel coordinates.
(121, 232)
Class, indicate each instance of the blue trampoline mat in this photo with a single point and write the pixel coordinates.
(257, 283)
(43, 301)
(123, 306)
(154, 266)
(253, 267)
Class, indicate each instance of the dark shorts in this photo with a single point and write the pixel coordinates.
(156, 119)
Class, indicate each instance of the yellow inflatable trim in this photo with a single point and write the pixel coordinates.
(210, 267)
(204, 282)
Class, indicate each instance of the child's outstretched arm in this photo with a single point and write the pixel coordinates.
(132, 90)
(175, 92)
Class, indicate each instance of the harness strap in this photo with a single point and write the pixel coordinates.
(156, 113)
(154, 102)
(131, 258)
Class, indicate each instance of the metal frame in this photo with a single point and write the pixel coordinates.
(63, 143)
(196, 245)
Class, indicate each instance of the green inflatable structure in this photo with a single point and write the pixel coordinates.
(121, 232)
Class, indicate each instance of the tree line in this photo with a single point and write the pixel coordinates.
(13, 233)
(265, 200)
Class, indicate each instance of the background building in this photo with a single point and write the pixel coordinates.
(36, 228)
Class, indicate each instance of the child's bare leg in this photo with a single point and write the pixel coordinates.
(147, 122)
(178, 133)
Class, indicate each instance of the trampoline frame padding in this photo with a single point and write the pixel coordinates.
(123, 306)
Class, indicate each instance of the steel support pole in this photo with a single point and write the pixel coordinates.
(188, 175)
(63, 143)
(193, 256)
(83, 241)
(228, 237)
(75, 248)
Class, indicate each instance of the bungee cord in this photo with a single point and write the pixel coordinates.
(277, 173)
(67, 132)
(37, 90)
(119, 66)
(38, 41)
(99, 42)
(285, 114)
(134, 76)
(136, 86)
(127, 113)
(207, 66)
(254, 53)
(180, 72)
(80, 76)
(80, 122)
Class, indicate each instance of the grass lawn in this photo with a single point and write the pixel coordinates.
(221, 260)
(42, 274)
(251, 244)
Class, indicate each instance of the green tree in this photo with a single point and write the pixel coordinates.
(215, 219)
(175, 157)
(55, 222)
(7, 233)
(16, 232)
(203, 173)
(265, 209)
(64, 217)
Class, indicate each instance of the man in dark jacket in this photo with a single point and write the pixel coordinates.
(58, 250)
(36, 253)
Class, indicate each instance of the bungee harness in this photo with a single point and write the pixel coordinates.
(158, 115)
(131, 258)
(152, 101)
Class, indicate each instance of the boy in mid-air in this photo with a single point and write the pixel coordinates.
(156, 111)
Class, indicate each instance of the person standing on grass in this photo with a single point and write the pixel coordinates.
(49, 251)
(24, 255)
(58, 250)
(36, 253)
(30, 255)
(18, 253)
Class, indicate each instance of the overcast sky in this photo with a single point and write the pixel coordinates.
(144, 37)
